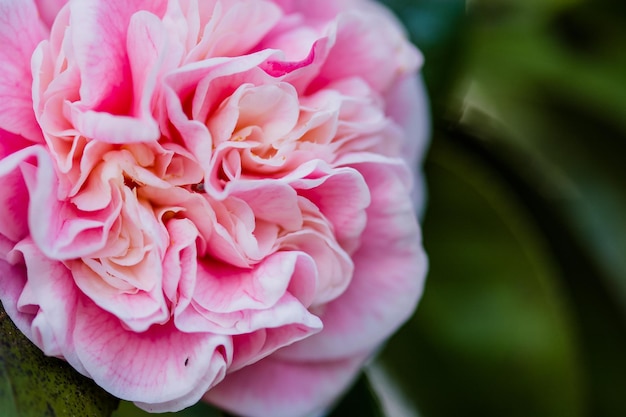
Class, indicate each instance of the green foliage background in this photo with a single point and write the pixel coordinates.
(524, 308)
(524, 311)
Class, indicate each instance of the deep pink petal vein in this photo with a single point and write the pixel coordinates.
(209, 199)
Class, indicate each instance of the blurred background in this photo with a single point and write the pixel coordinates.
(524, 312)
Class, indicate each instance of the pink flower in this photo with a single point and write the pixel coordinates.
(209, 199)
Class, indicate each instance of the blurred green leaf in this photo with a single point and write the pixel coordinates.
(492, 335)
(556, 78)
(32, 385)
(595, 307)
(360, 401)
(553, 75)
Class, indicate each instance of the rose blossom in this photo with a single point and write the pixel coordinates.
(209, 199)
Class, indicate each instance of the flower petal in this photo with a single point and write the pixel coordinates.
(13, 206)
(389, 273)
(48, 9)
(370, 46)
(124, 362)
(20, 32)
(278, 388)
(407, 106)
(49, 297)
(114, 95)
(233, 300)
(99, 32)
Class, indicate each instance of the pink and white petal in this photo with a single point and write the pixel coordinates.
(273, 108)
(320, 9)
(276, 388)
(41, 183)
(50, 295)
(110, 128)
(300, 73)
(20, 32)
(195, 90)
(334, 265)
(11, 143)
(369, 46)
(14, 201)
(114, 98)
(12, 282)
(99, 34)
(222, 76)
(226, 289)
(122, 361)
(235, 28)
(137, 309)
(407, 105)
(288, 311)
(180, 264)
(270, 200)
(194, 134)
(342, 196)
(58, 227)
(390, 267)
(148, 48)
(48, 9)
(279, 327)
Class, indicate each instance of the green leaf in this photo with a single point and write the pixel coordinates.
(360, 401)
(595, 305)
(33, 385)
(557, 83)
(493, 335)
(555, 77)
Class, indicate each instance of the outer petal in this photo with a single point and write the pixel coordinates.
(407, 105)
(12, 281)
(125, 363)
(370, 46)
(278, 388)
(45, 300)
(319, 9)
(389, 272)
(20, 32)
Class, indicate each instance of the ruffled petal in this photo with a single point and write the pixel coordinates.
(114, 92)
(277, 388)
(124, 362)
(369, 46)
(390, 266)
(47, 300)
